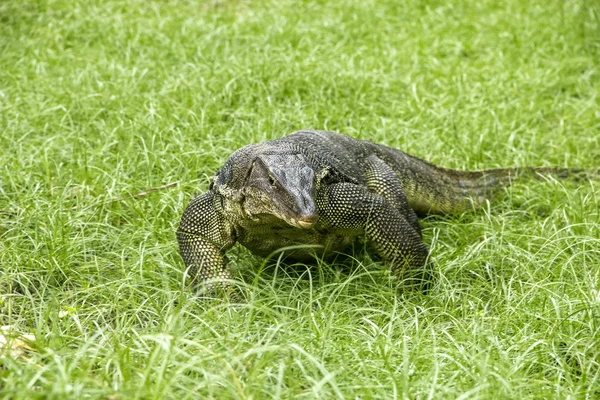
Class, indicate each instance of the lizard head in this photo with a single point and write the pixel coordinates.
(280, 185)
(261, 181)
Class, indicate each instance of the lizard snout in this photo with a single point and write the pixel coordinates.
(307, 221)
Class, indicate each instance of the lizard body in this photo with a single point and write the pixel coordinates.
(326, 189)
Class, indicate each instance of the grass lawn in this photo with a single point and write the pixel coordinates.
(103, 100)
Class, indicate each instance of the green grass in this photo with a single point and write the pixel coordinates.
(100, 100)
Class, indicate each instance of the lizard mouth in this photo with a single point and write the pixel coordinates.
(303, 218)
(305, 222)
(302, 222)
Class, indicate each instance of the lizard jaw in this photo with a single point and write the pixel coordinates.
(306, 222)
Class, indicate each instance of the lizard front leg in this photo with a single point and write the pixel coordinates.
(204, 235)
(382, 180)
(351, 208)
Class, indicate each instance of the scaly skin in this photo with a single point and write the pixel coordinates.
(326, 189)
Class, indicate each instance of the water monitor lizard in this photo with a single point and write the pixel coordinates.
(327, 189)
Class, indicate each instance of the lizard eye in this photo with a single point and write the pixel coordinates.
(272, 181)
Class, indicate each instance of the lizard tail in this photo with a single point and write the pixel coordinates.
(473, 188)
(434, 190)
